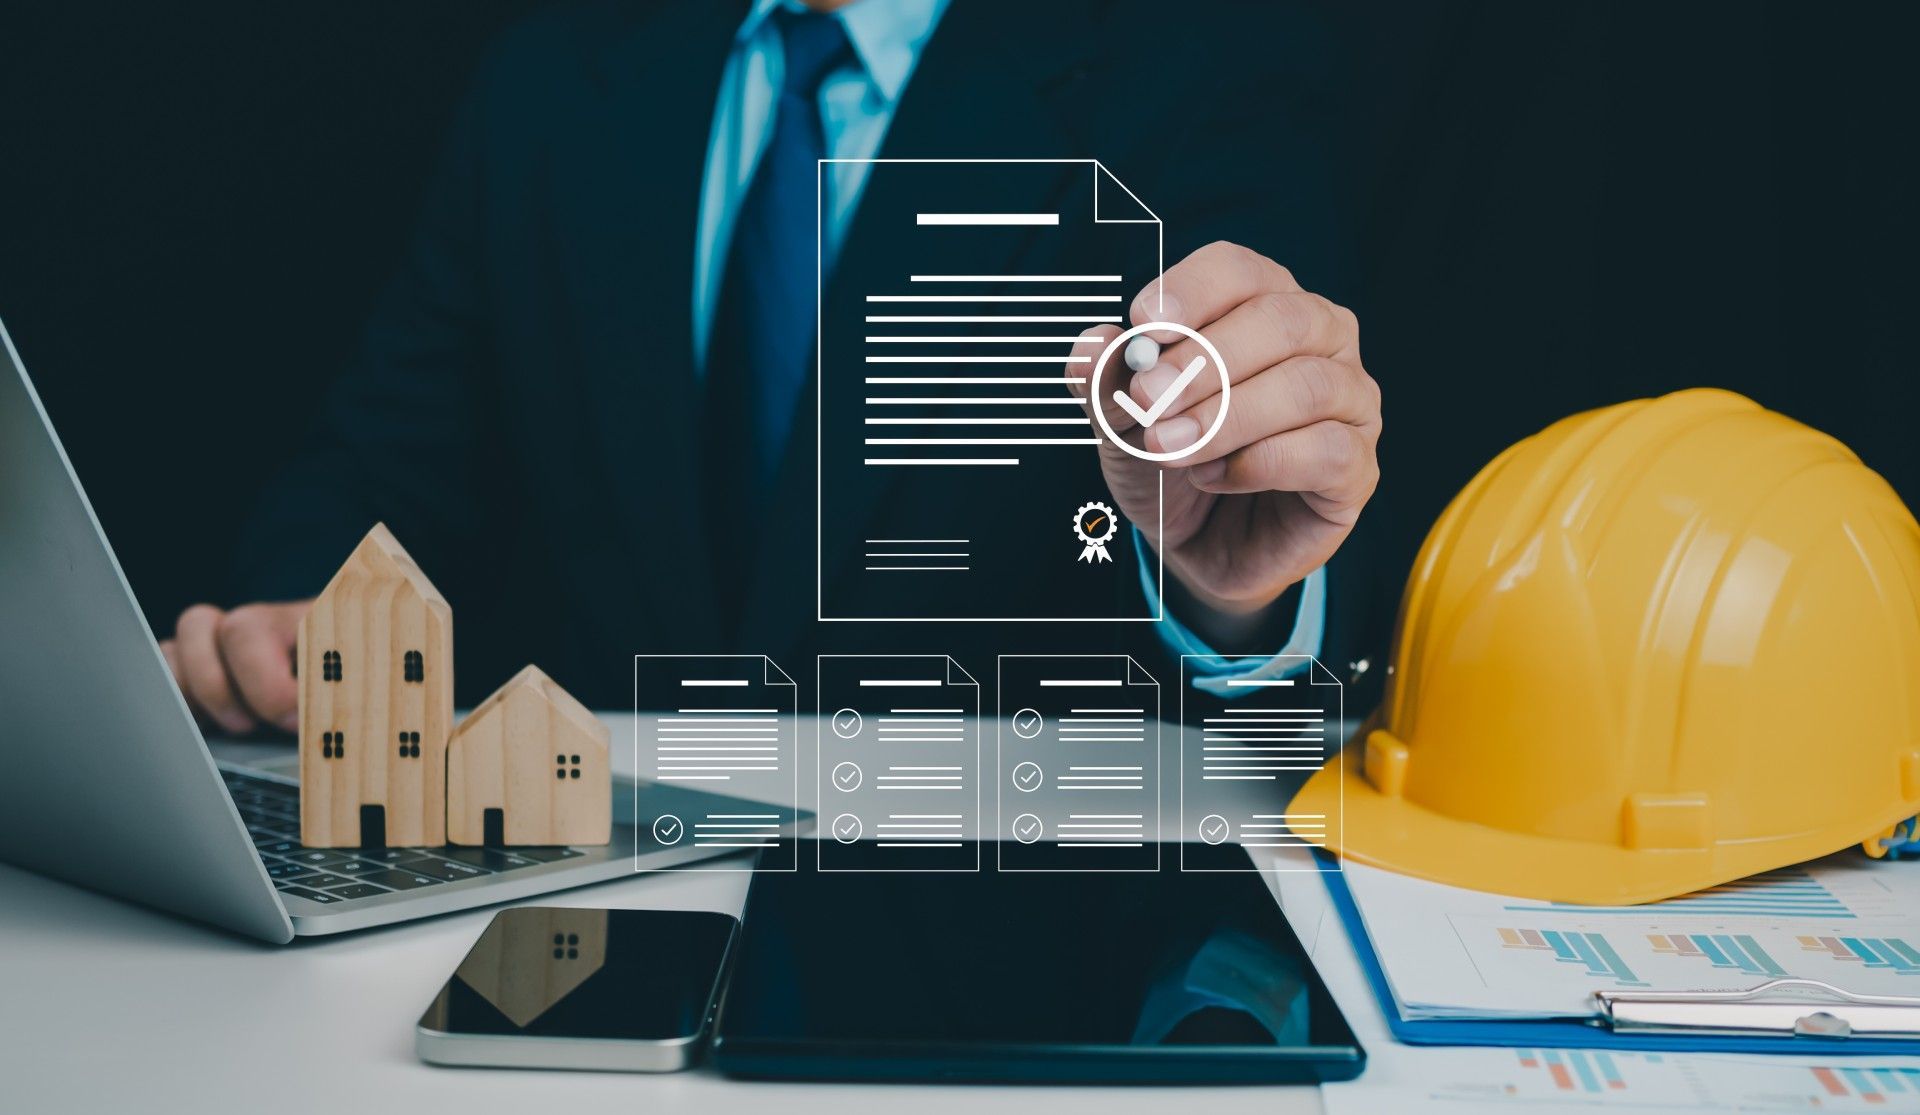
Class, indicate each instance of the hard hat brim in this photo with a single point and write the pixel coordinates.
(1402, 837)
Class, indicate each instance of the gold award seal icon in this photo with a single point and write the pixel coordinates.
(1095, 525)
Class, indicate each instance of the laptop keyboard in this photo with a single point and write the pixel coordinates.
(331, 875)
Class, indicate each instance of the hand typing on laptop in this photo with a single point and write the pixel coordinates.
(236, 667)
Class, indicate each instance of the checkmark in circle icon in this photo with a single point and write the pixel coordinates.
(1148, 416)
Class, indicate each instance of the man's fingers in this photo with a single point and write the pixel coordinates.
(1291, 395)
(1329, 460)
(203, 677)
(256, 645)
(1255, 335)
(1205, 285)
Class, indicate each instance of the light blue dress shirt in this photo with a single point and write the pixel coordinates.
(857, 103)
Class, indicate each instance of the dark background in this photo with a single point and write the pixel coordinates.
(1566, 205)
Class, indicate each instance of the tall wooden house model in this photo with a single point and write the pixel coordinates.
(375, 659)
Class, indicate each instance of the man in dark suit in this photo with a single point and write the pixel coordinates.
(612, 258)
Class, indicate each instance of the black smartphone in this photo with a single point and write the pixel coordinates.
(556, 988)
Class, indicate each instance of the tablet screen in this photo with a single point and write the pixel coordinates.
(1029, 976)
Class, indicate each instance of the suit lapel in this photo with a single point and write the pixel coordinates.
(981, 91)
(627, 183)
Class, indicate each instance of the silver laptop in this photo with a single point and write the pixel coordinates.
(105, 780)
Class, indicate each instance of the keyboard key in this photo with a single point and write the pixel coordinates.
(282, 848)
(317, 857)
(356, 867)
(402, 879)
(490, 858)
(310, 895)
(546, 855)
(359, 890)
(325, 880)
(289, 870)
(447, 870)
(390, 855)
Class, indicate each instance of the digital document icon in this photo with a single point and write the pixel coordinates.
(898, 764)
(1244, 755)
(725, 724)
(956, 384)
(1079, 763)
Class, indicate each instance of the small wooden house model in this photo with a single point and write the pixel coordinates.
(529, 766)
(375, 659)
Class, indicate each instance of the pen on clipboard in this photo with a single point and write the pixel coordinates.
(1786, 1007)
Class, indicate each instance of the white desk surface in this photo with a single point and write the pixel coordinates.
(110, 1007)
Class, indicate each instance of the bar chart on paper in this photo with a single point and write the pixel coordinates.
(1586, 1080)
(1454, 953)
(1721, 950)
(1242, 758)
(1791, 892)
(725, 724)
(1593, 953)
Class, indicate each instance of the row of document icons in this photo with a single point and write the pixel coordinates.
(1075, 782)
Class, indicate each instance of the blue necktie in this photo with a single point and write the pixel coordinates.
(763, 342)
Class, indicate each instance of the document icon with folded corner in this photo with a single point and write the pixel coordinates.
(726, 724)
(1243, 758)
(898, 764)
(1079, 764)
(944, 388)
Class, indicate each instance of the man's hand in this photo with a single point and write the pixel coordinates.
(1276, 492)
(236, 668)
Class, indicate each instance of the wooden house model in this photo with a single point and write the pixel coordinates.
(529, 766)
(375, 660)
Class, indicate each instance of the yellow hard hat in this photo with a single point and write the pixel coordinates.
(1652, 648)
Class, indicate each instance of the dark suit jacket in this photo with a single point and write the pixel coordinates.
(524, 411)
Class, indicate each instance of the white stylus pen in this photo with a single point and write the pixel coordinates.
(1142, 353)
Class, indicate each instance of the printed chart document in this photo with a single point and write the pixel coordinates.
(898, 763)
(727, 724)
(1242, 758)
(1452, 953)
(1403, 1078)
(1518, 1081)
(1079, 764)
(945, 387)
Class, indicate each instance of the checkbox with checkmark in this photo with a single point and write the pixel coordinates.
(1161, 405)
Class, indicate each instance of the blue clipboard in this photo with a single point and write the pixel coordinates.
(1574, 1033)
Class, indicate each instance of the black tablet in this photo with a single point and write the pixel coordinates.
(1025, 977)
